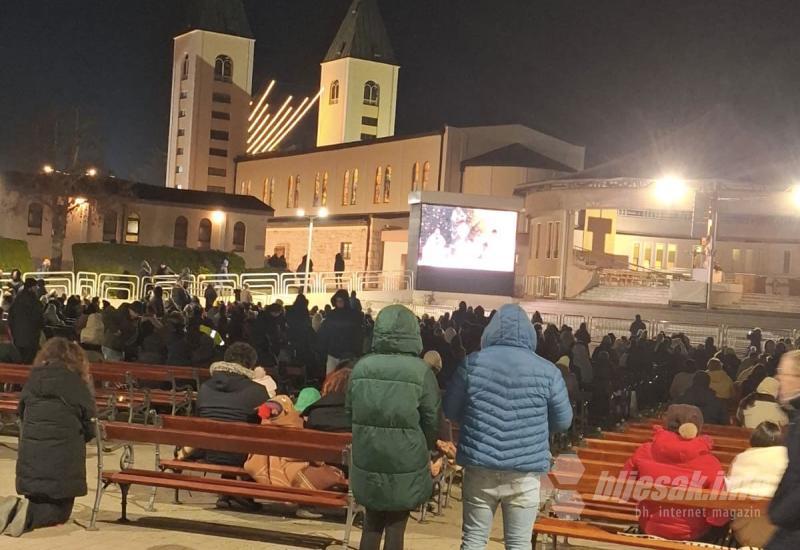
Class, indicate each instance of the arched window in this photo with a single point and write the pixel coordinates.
(415, 177)
(426, 174)
(185, 67)
(223, 68)
(372, 93)
(290, 192)
(324, 197)
(387, 184)
(181, 232)
(376, 196)
(297, 190)
(346, 188)
(269, 190)
(354, 188)
(316, 189)
(110, 227)
(132, 228)
(334, 93)
(35, 218)
(239, 232)
(204, 234)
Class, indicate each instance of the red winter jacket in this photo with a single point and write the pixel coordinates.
(679, 463)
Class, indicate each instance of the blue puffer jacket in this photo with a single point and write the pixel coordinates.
(507, 399)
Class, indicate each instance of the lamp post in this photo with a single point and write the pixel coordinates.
(321, 213)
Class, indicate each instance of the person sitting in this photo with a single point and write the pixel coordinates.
(701, 396)
(721, 383)
(682, 380)
(56, 409)
(231, 395)
(762, 406)
(328, 414)
(677, 454)
(747, 475)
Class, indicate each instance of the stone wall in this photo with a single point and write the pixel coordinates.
(326, 243)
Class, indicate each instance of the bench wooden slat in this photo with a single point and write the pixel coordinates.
(254, 430)
(595, 513)
(720, 443)
(188, 465)
(630, 447)
(586, 531)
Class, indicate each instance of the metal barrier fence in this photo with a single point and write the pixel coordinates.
(63, 282)
(541, 286)
(86, 283)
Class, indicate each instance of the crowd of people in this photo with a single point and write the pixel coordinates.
(397, 383)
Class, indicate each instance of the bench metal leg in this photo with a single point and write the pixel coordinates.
(151, 503)
(352, 510)
(101, 488)
(124, 488)
(101, 485)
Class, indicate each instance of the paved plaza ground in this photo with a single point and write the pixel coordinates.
(197, 525)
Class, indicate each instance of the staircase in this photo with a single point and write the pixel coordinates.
(627, 294)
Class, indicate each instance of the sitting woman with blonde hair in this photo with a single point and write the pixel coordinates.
(56, 411)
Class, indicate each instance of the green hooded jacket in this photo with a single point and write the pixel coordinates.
(393, 401)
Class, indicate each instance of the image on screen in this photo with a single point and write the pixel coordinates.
(456, 237)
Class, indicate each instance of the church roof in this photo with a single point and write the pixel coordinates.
(222, 16)
(362, 35)
(208, 199)
(517, 154)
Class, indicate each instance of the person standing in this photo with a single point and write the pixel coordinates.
(341, 334)
(26, 320)
(338, 267)
(56, 408)
(507, 400)
(637, 325)
(393, 403)
(784, 509)
(210, 296)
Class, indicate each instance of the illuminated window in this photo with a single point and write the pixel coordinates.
(239, 232)
(387, 184)
(297, 190)
(269, 190)
(324, 198)
(537, 241)
(334, 94)
(223, 68)
(376, 197)
(346, 249)
(290, 192)
(556, 238)
(637, 251)
(659, 264)
(35, 219)
(426, 175)
(346, 188)
(204, 234)
(672, 255)
(648, 255)
(316, 189)
(110, 227)
(415, 177)
(180, 233)
(185, 67)
(132, 229)
(354, 188)
(371, 93)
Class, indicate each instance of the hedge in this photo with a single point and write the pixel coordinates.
(14, 254)
(119, 258)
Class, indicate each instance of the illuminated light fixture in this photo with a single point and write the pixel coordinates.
(796, 195)
(91, 172)
(261, 124)
(218, 216)
(80, 201)
(301, 212)
(286, 126)
(47, 169)
(262, 138)
(670, 188)
(261, 145)
(260, 101)
(258, 118)
(323, 212)
(297, 120)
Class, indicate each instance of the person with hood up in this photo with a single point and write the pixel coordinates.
(341, 334)
(676, 455)
(762, 406)
(701, 396)
(26, 321)
(721, 383)
(338, 267)
(231, 395)
(748, 476)
(393, 403)
(507, 400)
(56, 409)
(784, 509)
(145, 270)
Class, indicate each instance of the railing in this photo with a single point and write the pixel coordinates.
(111, 286)
(541, 286)
(86, 283)
(224, 283)
(63, 282)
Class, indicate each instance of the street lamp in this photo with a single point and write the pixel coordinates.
(669, 188)
(91, 172)
(321, 213)
(47, 169)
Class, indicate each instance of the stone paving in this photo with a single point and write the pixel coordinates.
(197, 525)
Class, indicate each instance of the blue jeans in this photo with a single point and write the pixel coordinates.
(518, 495)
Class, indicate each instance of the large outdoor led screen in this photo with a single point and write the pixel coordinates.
(455, 237)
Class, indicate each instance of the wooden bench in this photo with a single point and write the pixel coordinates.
(628, 448)
(708, 429)
(271, 441)
(642, 435)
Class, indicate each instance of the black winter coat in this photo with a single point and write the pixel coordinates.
(712, 407)
(230, 395)
(328, 414)
(56, 410)
(341, 334)
(784, 509)
(25, 319)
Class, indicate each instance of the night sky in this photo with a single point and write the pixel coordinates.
(608, 74)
